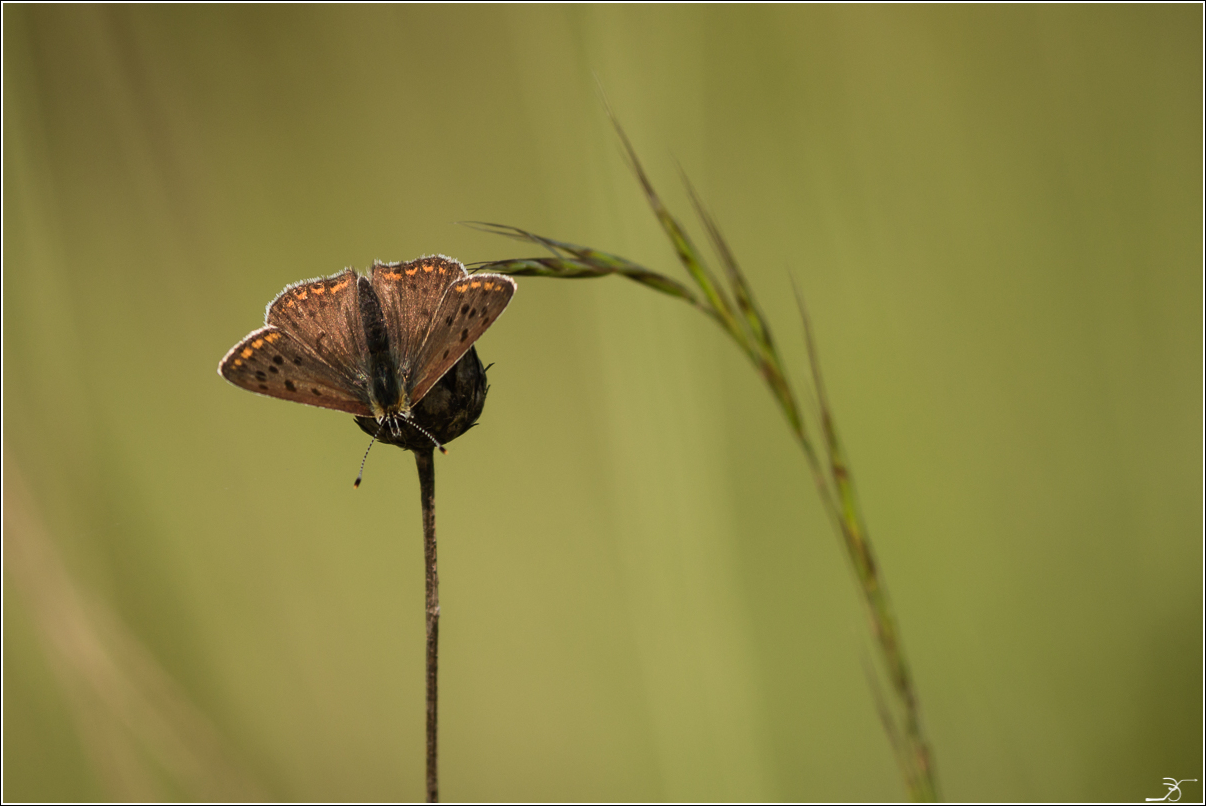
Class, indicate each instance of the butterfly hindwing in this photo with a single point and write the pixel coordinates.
(324, 315)
(409, 294)
(276, 363)
(469, 306)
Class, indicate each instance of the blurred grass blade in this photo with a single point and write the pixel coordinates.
(145, 739)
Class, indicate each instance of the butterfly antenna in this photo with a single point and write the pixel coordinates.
(420, 429)
(360, 475)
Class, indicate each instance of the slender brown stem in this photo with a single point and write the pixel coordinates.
(426, 466)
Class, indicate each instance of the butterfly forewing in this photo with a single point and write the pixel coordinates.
(275, 363)
(324, 315)
(469, 306)
(409, 294)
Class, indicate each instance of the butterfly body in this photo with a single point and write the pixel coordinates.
(386, 397)
(369, 346)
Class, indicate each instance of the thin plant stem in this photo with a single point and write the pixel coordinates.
(426, 466)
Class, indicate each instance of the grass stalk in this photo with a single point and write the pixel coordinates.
(734, 309)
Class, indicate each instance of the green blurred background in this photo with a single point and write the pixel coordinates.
(995, 216)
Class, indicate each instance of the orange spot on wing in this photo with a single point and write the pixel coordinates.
(272, 337)
(238, 362)
(319, 289)
(247, 351)
(410, 272)
(290, 304)
(257, 344)
(428, 267)
(302, 294)
(461, 288)
(475, 284)
(340, 286)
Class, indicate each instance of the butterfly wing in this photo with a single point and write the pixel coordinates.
(274, 362)
(409, 294)
(469, 306)
(324, 315)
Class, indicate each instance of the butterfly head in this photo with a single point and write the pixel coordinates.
(398, 408)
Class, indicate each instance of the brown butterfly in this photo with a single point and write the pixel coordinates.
(370, 346)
